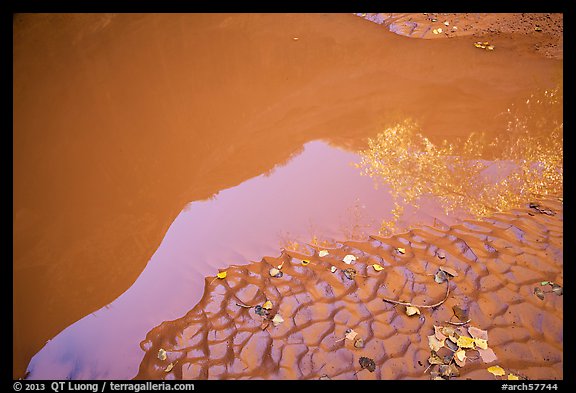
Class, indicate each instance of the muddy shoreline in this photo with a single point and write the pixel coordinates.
(116, 128)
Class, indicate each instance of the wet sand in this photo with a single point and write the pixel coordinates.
(116, 130)
(498, 260)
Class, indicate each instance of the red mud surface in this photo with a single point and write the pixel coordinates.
(121, 122)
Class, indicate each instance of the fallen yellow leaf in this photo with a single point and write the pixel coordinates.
(169, 368)
(274, 271)
(481, 343)
(513, 377)
(460, 354)
(410, 310)
(377, 267)
(323, 253)
(267, 305)
(277, 319)
(162, 354)
(221, 275)
(305, 262)
(465, 342)
(496, 370)
(401, 250)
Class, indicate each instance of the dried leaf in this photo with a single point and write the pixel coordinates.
(305, 262)
(465, 342)
(454, 372)
(323, 253)
(349, 259)
(434, 343)
(350, 334)
(350, 273)
(478, 333)
(512, 377)
(460, 354)
(449, 270)
(359, 343)
(277, 320)
(451, 343)
(367, 363)
(169, 368)
(333, 269)
(487, 355)
(274, 272)
(461, 313)
(481, 343)
(411, 310)
(440, 277)
(448, 331)
(377, 267)
(438, 333)
(267, 305)
(538, 292)
(557, 289)
(161, 354)
(221, 275)
(460, 357)
(496, 370)
(445, 370)
(401, 250)
(435, 359)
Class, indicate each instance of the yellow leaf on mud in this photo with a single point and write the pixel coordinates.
(267, 305)
(162, 354)
(333, 269)
(323, 253)
(460, 357)
(460, 354)
(496, 370)
(305, 262)
(465, 342)
(513, 377)
(349, 259)
(274, 272)
(169, 368)
(411, 310)
(277, 320)
(221, 275)
(377, 267)
(481, 343)
(401, 250)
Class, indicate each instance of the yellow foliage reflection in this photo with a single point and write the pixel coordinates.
(479, 175)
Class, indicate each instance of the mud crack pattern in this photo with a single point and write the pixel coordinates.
(499, 261)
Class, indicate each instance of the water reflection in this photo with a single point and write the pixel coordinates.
(480, 175)
(317, 197)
